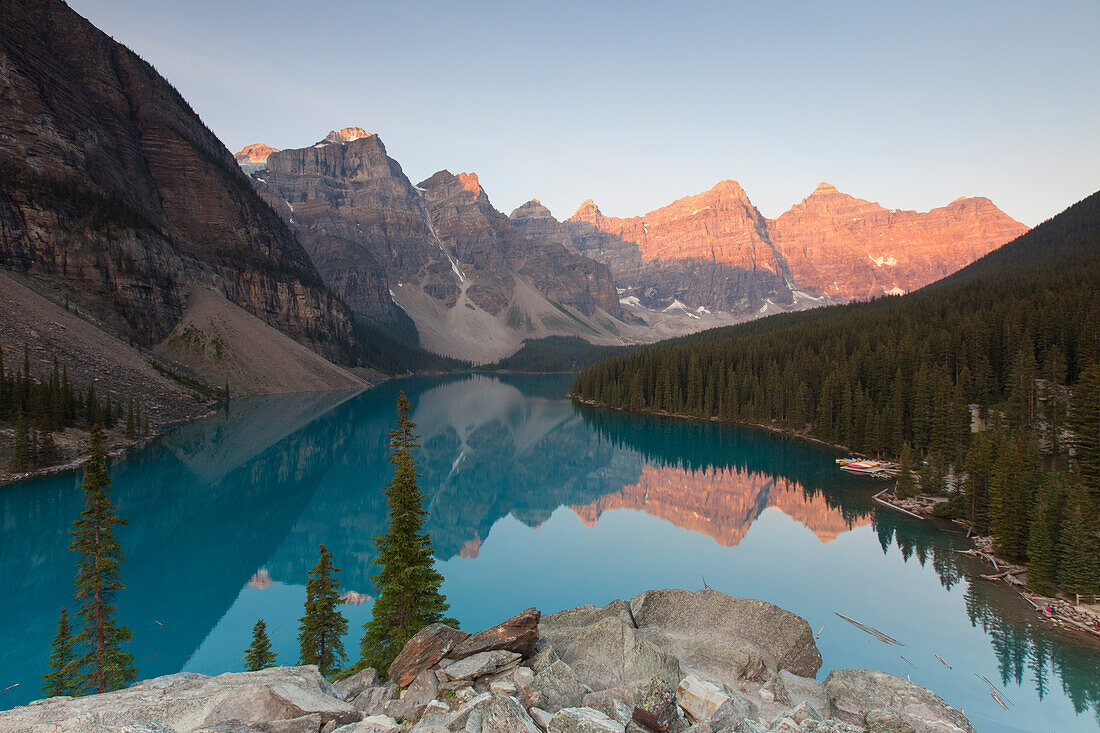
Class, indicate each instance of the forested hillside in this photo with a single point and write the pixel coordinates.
(1017, 333)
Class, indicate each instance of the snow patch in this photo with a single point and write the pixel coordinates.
(631, 301)
(895, 291)
(676, 305)
(888, 260)
(702, 309)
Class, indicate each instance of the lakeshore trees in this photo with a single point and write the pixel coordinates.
(321, 629)
(1016, 334)
(104, 664)
(259, 654)
(407, 596)
(61, 677)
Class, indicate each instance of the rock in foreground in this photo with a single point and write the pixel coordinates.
(663, 663)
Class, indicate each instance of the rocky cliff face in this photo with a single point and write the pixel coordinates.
(850, 248)
(715, 250)
(113, 187)
(473, 284)
(358, 216)
(709, 251)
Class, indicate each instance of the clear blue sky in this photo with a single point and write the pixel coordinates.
(911, 104)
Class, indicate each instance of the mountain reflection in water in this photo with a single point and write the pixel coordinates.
(531, 501)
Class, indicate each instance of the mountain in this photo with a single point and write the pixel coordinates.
(849, 248)
(440, 254)
(116, 197)
(716, 251)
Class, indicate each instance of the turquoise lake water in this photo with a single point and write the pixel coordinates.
(532, 501)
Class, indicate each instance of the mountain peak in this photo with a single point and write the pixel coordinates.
(587, 211)
(255, 153)
(824, 188)
(533, 209)
(729, 187)
(346, 135)
(470, 182)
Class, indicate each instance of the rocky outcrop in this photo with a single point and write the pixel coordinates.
(282, 698)
(857, 693)
(605, 648)
(499, 691)
(518, 634)
(113, 187)
(717, 251)
(720, 637)
(846, 247)
(422, 651)
(254, 153)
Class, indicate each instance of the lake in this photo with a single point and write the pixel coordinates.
(532, 501)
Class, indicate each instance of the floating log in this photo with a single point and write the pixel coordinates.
(937, 656)
(885, 638)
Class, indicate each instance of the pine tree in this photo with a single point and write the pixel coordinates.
(1008, 503)
(321, 628)
(407, 583)
(906, 485)
(1080, 568)
(21, 447)
(1085, 416)
(106, 666)
(259, 655)
(131, 425)
(62, 677)
(1042, 556)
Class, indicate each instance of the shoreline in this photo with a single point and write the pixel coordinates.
(1063, 618)
(788, 432)
(120, 446)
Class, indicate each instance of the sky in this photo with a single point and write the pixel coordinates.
(636, 104)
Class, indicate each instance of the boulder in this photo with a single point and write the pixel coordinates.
(583, 720)
(372, 724)
(803, 711)
(423, 651)
(554, 688)
(230, 727)
(705, 702)
(715, 636)
(404, 709)
(790, 689)
(372, 700)
(855, 693)
(481, 664)
(423, 689)
(459, 718)
(616, 703)
(522, 676)
(505, 715)
(656, 708)
(518, 634)
(361, 680)
(604, 649)
(304, 724)
(504, 687)
(187, 701)
(880, 721)
(543, 658)
(541, 717)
